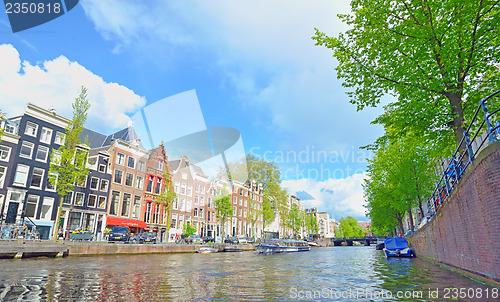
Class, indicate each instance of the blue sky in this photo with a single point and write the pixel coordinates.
(252, 64)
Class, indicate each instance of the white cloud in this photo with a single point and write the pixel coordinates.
(55, 84)
(347, 198)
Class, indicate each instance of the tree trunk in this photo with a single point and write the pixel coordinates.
(412, 227)
(458, 122)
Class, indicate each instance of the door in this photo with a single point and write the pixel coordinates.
(12, 212)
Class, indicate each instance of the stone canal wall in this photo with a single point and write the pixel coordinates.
(465, 232)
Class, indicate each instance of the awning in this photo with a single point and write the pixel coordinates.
(125, 222)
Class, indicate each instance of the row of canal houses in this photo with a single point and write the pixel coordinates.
(122, 188)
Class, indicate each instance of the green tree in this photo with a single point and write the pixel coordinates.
(350, 228)
(224, 209)
(295, 219)
(68, 164)
(312, 227)
(436, 57)
(253, 214)
(168, 195)
(1, 129)
(188, 229)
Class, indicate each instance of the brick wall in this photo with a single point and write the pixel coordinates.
(465, 233)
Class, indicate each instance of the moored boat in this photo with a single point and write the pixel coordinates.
(205, 250)
(397, 247)
(283, 246)
(232, 249)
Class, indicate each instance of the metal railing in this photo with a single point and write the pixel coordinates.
(455, 167)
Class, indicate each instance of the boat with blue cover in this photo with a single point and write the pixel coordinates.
(397, 247)
(283, 246)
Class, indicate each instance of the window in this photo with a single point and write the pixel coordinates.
(3, 172)
(160, 165)
(196, 199)
(245, 213)
(118, 177)
(102, 168)
(182, 205)
(184, 175)
(102, 202)
(115, 199)
(197, 188)
(173, 223)
(139, 182)
(147, 214)
(46, 135)
(120, 159)
(209, 202)
(158, 186)
(149, 187)
(26, 149)
(241, 192)
(104, 185)
(235, 200)
(188, 206)
(81, 181)
(141, 166)
(202, 189)
(129, 179)
(136, 210)
(42, 153)
(156, 212)
(201, 213)
(239, 212)
(190, 191)
(4, 153)
(131, 162)
(92, 201)
(94, 182)
(79, 198)
(48, 203)
(31, 206)
(208, 216)
(175, 205)
(31, 129)
(37, 178)
(126, 204)
(235, 190)
(183, 189)
(68, 198)
(59, 138)
(176, 187)
(195, 213)
(241, 201)
(246, 203)
(10, 129)
(234, 211)
(21, 175)
(202, 200)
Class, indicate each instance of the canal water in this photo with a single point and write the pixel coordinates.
(355, 273)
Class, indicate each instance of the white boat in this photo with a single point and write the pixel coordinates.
(205, 250)
(283, 246)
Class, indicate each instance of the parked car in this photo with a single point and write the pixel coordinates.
(149, 237)
(208, 239)
(135, 238)
(194, 239)
(242, 240)
(250, 240)
(119, 233)
(231, 240)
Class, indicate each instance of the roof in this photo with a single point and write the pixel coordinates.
(96, 139)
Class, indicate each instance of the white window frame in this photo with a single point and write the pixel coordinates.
(47, 201)
(48, 182)
(5, 153)
(128, 162)
(139, 182)
(31, 125)
(141, 166)
(48, 137)
(70, 199)
(99, 201)
(132, 182)
(2, 175)
(107, 185)
(118, 159)
(114, 177)
(103, 170)
(36, 206)
(95, 201)
(46, 154)
(26, 177)
(97, 183)
(27, 144)
(41, 177)
(59, 138)
(74, 198)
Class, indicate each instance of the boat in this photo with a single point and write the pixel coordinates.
(380, 245)
(312, 243)
(397, 247)
(232, 249)
(283, 246)
(205, 250)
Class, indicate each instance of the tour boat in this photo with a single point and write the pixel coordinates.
(283, 246)
(205, 250)
(397, 247)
